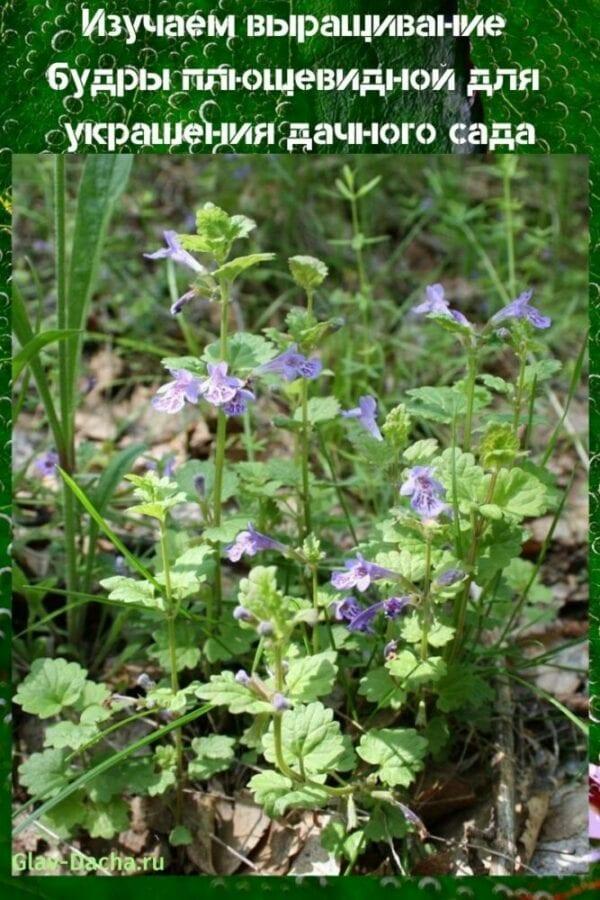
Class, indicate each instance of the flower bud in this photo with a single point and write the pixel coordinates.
(242, 677)
(242, 614)
(265, 629)
(280, 703)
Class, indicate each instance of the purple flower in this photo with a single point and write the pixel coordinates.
(46, 464)
(449, 577)
(171, 397)
(359, 574)
(435, 301)
(280, 703)
(219, 388)
(241, 614)
(363, 621)
(522, 309)
(394, 606)
(460, 318)
(239, 404)
(265, 629)
(345, 610)
(365, 413)
(175, 251)
(251, 542)
(425, 492)
(182, 301)
(242, 677)
(292, 365)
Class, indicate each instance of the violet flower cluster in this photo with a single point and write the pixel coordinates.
(426, 492)
(435, 303)
(360, 574)
(360, 619)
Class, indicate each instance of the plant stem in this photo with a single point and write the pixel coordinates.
(172, 641)
(304, 454)
(315, 601)
(214, 610)
(519, 394)
(471, 379)
(461, 609)
(426, 605)
(67, 448)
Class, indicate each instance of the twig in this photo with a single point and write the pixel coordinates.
(506, 830)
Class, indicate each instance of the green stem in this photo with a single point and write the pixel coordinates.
(461, 609)
(519, 394)
(360, 263)
(304, 452)
(172, 641)
(426, 618)
(67, 448)
(471, 380)
(214, 610)
(315, 602)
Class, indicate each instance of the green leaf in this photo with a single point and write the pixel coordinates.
(374, 453)
(224, 690)
(519, 494)
(180, 836)
(213, 754)
(312, 742)
(337, 841)
(50, 685)
(102, 183)
(229, 642)
(104, 820)
(308, 272)
(129, 590)
(227, 531)
(443, 404)
(501, 543)
(398, 753)
(216, 231)
(462, 687)
(379, 687)
(438, 634)
(385, 823)
(234, 268)
(276, 793)
(187, 647)
(471, 480)
(89, 775)
(421, 452)
(45, 774)
(69, 734)
(499, 446)
(320, 409)
(311, 676)
(245, 352)
(412, 672)
(133, 777)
